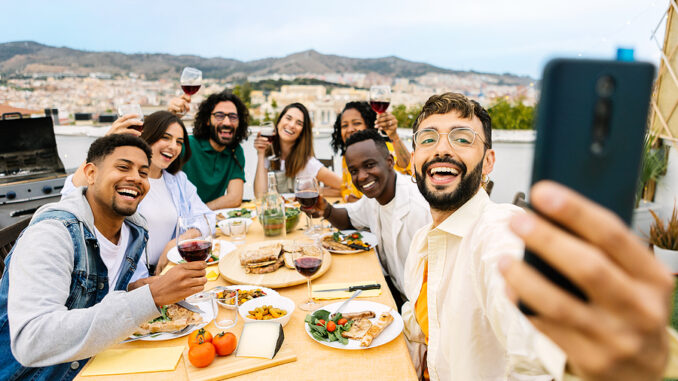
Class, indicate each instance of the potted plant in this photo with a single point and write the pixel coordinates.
(653, 165)
(664, 238)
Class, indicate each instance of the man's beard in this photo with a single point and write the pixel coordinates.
(125, 212)
(467, 188)
(214, 134)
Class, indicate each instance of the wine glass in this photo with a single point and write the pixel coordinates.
(306, 191)
(132, 108)
(191, 80)
(194, 238)
(380, 99)
(307, 262)
(268, 132)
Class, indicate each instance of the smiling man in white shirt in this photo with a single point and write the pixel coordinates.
(393, 209)
(457, 307)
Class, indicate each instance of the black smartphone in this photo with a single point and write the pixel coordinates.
(591, 122)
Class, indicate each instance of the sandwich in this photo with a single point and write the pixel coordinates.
(263, 260)
(172, 318)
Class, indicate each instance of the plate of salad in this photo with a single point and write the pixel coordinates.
(224, 214)
(326, 328)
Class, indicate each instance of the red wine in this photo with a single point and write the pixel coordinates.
(190, 89)
(379, 106)
(195, 250)
(307, 266)
(307, 199)
(138, 128)
(268, 137)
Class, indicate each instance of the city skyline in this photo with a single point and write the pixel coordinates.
(495, 37)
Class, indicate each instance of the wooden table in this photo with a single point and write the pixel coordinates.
(314, 361)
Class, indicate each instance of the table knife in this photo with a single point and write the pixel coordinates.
(353, 288)
(190, 307)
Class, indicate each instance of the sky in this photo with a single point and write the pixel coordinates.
(494, 36)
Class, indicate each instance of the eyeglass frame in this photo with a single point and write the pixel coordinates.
(232, 116)
(475, 135)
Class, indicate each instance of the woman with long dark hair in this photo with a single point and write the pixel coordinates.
(171, 194)
(293, 144)
(358, 116)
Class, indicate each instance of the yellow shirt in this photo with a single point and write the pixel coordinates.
(347, 187)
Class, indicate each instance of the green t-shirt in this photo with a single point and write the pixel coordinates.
(211, 171)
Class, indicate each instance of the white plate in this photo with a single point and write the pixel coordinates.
(224, 212)
(267, 290)
(225, 246)
(207, 316)
(389, 333)
(368, 238)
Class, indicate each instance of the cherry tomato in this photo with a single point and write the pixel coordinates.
(321, 323)
(342, 321)
(198, 335)
(224, 343)
(355, 236)
(201, 354)
(210, 259)
(331, 326)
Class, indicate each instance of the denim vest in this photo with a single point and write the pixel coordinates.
(89, 285)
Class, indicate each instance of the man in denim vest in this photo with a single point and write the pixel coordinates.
(68, 290)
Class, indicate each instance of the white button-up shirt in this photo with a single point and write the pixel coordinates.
(409, 212)
(475, 332)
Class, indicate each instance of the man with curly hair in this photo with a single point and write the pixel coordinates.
(217, 166)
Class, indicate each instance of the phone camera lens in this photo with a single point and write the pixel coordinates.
(605, 86)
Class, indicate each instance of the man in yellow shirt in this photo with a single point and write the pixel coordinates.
(458, 311)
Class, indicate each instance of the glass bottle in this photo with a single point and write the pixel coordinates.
(272, 215)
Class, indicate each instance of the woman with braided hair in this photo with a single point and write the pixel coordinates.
(358, 116)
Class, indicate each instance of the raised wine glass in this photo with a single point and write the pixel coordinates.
(194, 238)
(307, 262)
(191, 80)
(306, 191)
(132, 108)
(380, 99)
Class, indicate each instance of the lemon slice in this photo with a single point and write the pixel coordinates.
(212, 275)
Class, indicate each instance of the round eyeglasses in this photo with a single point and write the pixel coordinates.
(219, 116)
(461, 137)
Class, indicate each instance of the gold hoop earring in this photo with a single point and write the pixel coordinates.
(413, 179)
(485, 179)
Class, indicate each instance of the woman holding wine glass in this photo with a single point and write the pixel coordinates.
(358, 116)
(293, 144)
(171, 194)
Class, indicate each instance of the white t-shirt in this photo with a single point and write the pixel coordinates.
(113, 254)
(311, 168)
(161, 216)
(388, 242)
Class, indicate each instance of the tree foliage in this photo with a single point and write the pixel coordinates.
(406, 115)
(243, 91)
(513, 115)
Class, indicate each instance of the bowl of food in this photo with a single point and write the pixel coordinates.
(223, 224)
(272, 307)
(292, 218)
(225, 295)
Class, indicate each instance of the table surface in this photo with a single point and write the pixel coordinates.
(314, 361)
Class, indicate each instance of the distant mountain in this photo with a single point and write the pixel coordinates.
(27, 57)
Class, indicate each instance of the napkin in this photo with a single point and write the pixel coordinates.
(343, 294)
(133, 360)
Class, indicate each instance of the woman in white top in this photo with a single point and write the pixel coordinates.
(293, 144)
(171, 194)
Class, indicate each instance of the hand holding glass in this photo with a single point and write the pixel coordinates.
(132, 109)
(191, 80)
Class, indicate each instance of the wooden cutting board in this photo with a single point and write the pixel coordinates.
(231, 366)
(232, 271)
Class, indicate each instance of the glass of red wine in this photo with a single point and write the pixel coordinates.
(194, 237)
(132, 108)
(306, 191)
(380, 99)
(191, 80)
(268, 131)
(307, 264)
